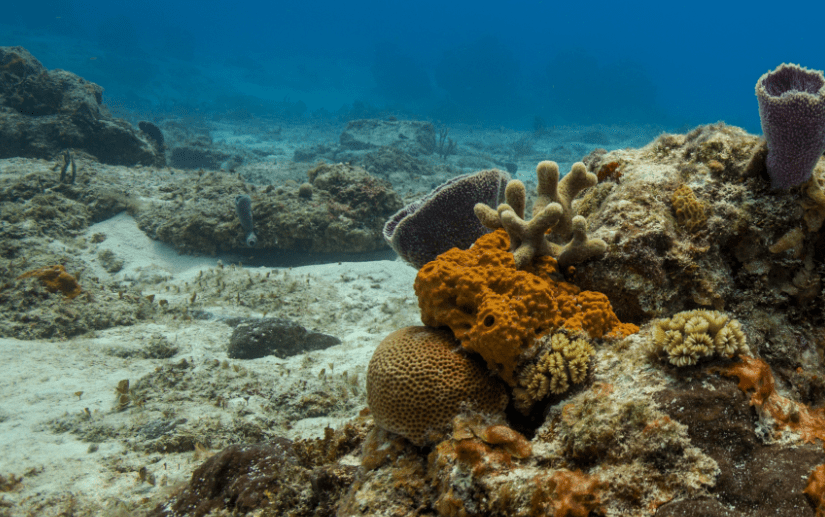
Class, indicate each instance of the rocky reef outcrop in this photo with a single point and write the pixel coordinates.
(340, 209)
(43, 112)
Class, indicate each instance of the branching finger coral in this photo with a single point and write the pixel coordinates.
(551, 211)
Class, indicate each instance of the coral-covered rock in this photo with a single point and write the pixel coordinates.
(276, 478)
(498, 311)
(43, 112)
(242, 478)
(755, 477)
(417, 383)
(345, 213)
(757, 256)
(412, 137)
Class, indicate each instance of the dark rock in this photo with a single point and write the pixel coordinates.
(390, 160)
(412, 137)
(697, 508)
(755, 479)
(196, 156)
(242, 478)
(275, 336)
(43, 112)
(154, 132)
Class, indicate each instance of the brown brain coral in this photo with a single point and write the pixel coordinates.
(417, 382)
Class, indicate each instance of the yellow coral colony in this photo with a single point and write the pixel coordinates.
(563, 363)
(690, 212)
(691, 335)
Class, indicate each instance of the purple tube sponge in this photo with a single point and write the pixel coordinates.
(792, 110)
(444, 219)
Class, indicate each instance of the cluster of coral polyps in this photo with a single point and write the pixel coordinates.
(499, 311)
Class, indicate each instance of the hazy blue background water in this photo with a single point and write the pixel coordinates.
(669, 63)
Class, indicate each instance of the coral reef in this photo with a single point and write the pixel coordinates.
(345, 213)
(44, 112)
(417, 383)
(792, 111)
(499, 311)
(553, 210)
(653, 269)
(690, 336)
(444, 218)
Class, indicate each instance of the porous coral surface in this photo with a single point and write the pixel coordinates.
(417, 383)
(498, 311)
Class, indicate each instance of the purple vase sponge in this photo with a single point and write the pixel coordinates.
(792, 110)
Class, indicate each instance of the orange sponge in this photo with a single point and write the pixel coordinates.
(55, 278)
(567, 494)
(499, 311)
(755, 374)
(815, 490)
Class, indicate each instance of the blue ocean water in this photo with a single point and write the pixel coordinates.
(520, 64)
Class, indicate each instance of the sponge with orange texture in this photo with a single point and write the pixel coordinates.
(55, 278)
(499, 311)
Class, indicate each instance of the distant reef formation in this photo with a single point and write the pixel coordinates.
(43, 112)
(340, 209)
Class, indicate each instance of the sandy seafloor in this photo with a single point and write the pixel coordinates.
(76, 452)
(40, 378)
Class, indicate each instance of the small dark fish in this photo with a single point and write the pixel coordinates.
(243, 207)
